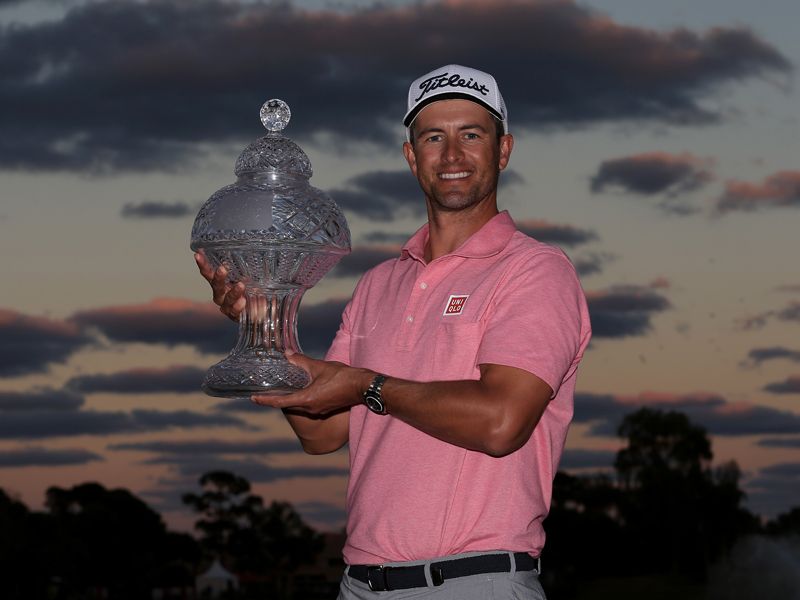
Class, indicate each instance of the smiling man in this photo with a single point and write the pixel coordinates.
(452, 373)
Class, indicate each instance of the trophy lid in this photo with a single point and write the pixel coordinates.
(274, 153)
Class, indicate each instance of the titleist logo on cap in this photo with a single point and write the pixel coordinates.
(447, 80)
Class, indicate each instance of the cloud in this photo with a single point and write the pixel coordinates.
(178, 379)
(363, 258)
(214, 447)
(165, 79)
(381, 195)
(318, 324)
(790, 313)
(791, 385)
(778, 189)
(44, 399)
(623, 311)
(756, 356)
(157, 210)
(591, 264)
(252, 470)
(581, 458)
(780, 442)
(652, 173)
(47, 424)
(774, 488)
(551, 233)
(31, 344)
(331, 515)
(717, 415)
(387, 237)
(43, 457)
(168, 321)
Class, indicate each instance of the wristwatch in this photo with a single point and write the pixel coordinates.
(373, 398)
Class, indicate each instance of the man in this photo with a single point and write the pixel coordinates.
(452, 373)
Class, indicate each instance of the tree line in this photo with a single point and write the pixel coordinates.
(666, 510)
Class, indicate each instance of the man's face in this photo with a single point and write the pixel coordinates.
(455, 155)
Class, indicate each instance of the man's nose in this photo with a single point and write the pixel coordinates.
(452, 150)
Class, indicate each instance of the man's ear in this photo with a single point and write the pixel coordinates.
(411, 158)
(506, 145)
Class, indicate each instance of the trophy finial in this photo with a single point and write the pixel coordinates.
(275, 115)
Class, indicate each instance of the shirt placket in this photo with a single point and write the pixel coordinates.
(416, 312)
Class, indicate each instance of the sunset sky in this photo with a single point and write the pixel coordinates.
(658, 143)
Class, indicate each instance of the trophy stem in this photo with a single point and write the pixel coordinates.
(257, 364)
(268, 325)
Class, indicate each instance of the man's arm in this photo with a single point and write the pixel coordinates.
(495, 414)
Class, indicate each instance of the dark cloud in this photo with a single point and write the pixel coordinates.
(387, 237)
(381, 195)
(164, 321)
(591, 264)
(146, 85)
(551, 233)
(791, 385)
(239, 405)
(789, 313)
(779, 189)
(756, 356)
(214, 447)
(176, 379)
(624, 311)
(31, 344)
(157, 210)
(363, 258)
(318, 324)
(718, 416)
(332, 515)
(44, 457)
(793, 442)
(47, 424)
(45, 399)
(252, 470)
(774, 489)
(580, 458)
(652, 173)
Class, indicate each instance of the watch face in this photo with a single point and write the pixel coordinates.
(373, 403)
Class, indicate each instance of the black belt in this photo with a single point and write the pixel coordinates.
(382, 579)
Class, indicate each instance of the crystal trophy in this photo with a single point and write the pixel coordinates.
(279, 236)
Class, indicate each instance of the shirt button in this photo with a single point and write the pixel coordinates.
(423, 285)
(410, 319)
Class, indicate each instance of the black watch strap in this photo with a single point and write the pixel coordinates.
(373, 398)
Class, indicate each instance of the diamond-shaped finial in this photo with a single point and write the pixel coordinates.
(275, 114)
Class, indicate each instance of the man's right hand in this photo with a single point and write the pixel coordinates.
(229, 297)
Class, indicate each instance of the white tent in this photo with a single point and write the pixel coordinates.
(215, 581)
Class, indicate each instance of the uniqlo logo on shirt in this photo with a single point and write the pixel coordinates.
(455, 304)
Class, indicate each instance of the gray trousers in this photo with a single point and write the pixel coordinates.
(522, 585)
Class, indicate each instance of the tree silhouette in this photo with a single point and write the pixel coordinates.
(680, 513)
(263, 545)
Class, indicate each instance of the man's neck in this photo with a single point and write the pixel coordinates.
(447, 230)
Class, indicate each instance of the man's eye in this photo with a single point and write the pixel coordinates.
(471, 136)
(434, 138)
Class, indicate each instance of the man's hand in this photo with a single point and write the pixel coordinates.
(229, 297)
(334, 386)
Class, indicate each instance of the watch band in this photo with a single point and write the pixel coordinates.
(373, 398)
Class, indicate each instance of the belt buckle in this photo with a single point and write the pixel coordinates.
(379, 584)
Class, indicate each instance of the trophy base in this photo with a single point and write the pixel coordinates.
(240, 377)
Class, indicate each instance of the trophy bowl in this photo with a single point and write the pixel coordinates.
(279, 236)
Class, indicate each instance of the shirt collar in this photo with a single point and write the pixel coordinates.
(487, 241)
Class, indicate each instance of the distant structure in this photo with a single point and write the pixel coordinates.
(216, 581)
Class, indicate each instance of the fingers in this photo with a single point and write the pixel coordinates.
(202, 263)
(233, 301)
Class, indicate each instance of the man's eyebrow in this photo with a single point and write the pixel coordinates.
(427, 130)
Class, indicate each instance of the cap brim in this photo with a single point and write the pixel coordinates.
(412, 114)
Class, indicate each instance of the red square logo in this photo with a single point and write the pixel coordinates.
(455, 304)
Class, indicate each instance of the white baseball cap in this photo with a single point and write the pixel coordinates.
(456, 81)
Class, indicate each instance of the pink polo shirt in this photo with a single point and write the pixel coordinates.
(500, 298)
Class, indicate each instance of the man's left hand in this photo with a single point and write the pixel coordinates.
(333, 386)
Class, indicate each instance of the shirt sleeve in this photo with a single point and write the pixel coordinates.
(538, 320)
